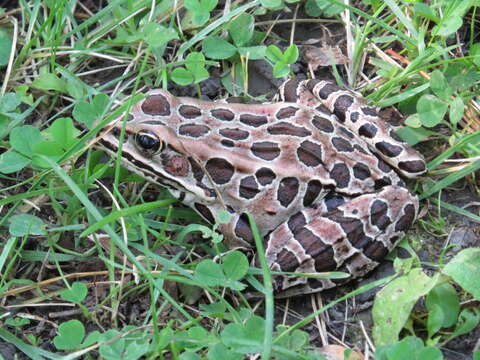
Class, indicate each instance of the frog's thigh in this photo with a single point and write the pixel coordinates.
(353, 238)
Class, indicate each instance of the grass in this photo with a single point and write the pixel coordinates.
(95, 262)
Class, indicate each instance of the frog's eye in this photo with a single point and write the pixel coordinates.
(148, 142)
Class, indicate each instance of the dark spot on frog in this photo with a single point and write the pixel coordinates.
(223, 114)
(193, 130)
(156, 105)
(378, 214)
(326, 89)
(248, 187)
(388, 149)
(265, 176)
(347, 132)
(333, 200)
(287, 190)
(342, 144)
(353, 227)
(375, 251)
(317, 249)
(205, 212)
(368, 130)
(341, 106)
(220, 170)
(314, 187)
(227, 143)
(382, 165)
(322, 124)
(361, 171)
(412, 166)
(367, 110)
(234, 133)
(341, 175)
(296, 222)
(310, 153)
(265, 150)
(253, 120)
(284, 128)
(354, 116)
(176, 165)
(290, 90)
(380, 183)
(242, 228)
(286, 112)
(287, 260)
(406, 219)
(189, 111)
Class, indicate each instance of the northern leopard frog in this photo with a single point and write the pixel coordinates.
(317, 169)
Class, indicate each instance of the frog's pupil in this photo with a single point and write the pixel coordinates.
(148, 142)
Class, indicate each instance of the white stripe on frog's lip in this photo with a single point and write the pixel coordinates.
(316, 172)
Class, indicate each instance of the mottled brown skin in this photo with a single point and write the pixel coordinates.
(317, 169)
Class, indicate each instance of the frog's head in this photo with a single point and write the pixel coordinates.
(152, 149)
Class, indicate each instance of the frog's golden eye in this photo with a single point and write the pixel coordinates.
(148, 142)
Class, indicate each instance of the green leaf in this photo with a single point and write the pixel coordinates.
(274, 54)
(464, 268)
(6, 46)
(195, 63)
(26, 224)
(11, 161)
(235, 265)
(394, 303)
(114, 350)
(24, 138)
(182, 76)
(439, 85)
(210, 273)
(76, 293)
(431, 110)
(435, 320)
(63, 132)
(50, 81)
(422, 9)
(16, 322)
(291, 54)
(467, 321)
(189, 355)
(246, 338)
(448, 26)
(215, 47)
(475, 51)
(413, 136)
(223, 217)
(221, 352)
(9, 102)
(253, 52)
(214, 310)
(241, 29)
(157, 35)
(446, 298)
(457, 108)
(410, 348)
(281, 69)
(70, 335)
(271, 4)
(312, 9)
(46, 148)
(87, 113)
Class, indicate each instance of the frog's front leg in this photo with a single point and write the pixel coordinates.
(352, 237)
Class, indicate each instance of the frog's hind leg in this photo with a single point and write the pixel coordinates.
(353, 112)
(353, 237)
